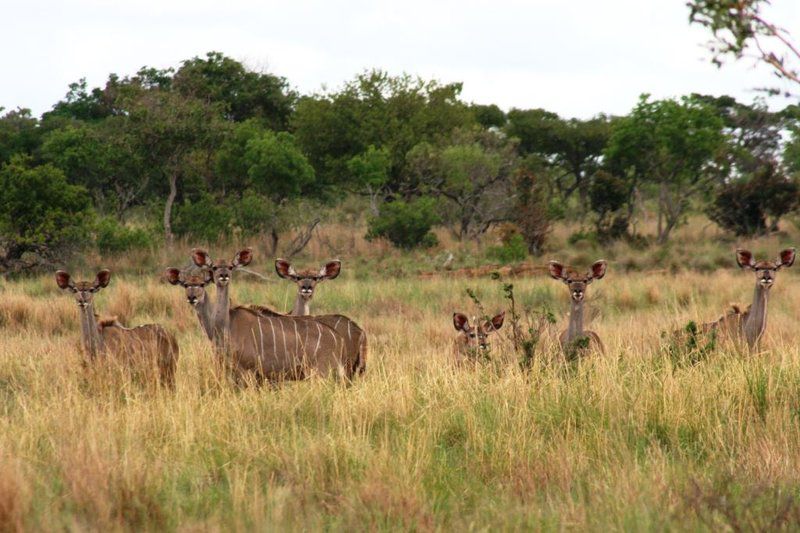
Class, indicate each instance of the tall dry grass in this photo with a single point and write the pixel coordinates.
(622, 441)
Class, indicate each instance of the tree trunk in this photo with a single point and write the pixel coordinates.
(273, 242)
(173, 192)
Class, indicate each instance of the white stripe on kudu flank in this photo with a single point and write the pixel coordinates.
(319, 339)
(274, 340)
(283, 333)
(261, 335)
(349, 336)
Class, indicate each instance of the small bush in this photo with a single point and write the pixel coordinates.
(406, 224)
(512, 250)
(111, 236)
(533, 214)
(205, 219)
(743, 206)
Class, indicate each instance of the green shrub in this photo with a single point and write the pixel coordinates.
(205, 219)
(253, 214)
(406, 224)
(513, 249)
(111, 236)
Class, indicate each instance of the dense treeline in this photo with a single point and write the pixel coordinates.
(214, 149)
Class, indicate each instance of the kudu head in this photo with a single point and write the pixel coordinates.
(477, 335)
(83, 290)
(576, 282)
(194, 283)
(765, 270)
(221, 270)
(307, 280)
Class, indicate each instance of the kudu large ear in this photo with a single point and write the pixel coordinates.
(495, 323)
(331, 270)
(744, 258)
(460, 322)
(201, 258)
(103, 278)
(556, 270)
(243, 257)
(786, 258)
(173, 275)
(598, 269)
(285, 269)
(63, 280)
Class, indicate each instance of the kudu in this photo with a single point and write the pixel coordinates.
(306, 281)
(749, 324)
(269, 347)
(354, 337)
(145, 344)
(473, 340)
(575, 339)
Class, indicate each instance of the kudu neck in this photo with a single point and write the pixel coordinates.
(302, 306)
(90, 333)
(222, 314)
(575, 327)
(756, 321)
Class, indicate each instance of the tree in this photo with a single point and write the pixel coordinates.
(406, 224)
(571, 148)
(19, 133)
(489, 116)
(375, 109)
(739, 29)
(175, 136)
(40, 213)
(672, 145)
(242, 93)
(472, 173)
(753, 205)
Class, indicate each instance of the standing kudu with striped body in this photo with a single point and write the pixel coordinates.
(269, 347)
(572, 338)
(749, 324)
(145, 344)
(355, 339)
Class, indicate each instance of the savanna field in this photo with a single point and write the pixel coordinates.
(638, 438)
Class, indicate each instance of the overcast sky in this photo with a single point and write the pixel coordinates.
(575, 57)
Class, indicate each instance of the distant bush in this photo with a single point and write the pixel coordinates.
(513, 248)
(754, 205)
(533, 214)
(608, 196)
(253, 214)
(111, 236)
(205, 219)
(41, 215)
(406, 224)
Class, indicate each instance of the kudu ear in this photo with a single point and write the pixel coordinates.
(103, 278)
(285, 269)
(495, 323)
(744, 258)
(460, 322)
(243, 257)
(331, 270)
(556, 270)
(173, 275)
(63, 280)
(598, 269)
(201, 258)
(786, 258)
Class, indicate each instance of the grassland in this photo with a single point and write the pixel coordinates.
(629, 440)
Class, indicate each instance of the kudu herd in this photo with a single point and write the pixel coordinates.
(258, 342)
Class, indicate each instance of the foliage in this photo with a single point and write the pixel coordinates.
(276, 167)
(406, 224)
(512, 248)
(672, 146)
(739, 28)
(204, 219)
(394, 113)
(532, 213)
(244, 94)
(472, 173)
(19, 134)
(690, 346)
(113, 237)
(610, 198)
(753, 205)
(40, 212)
